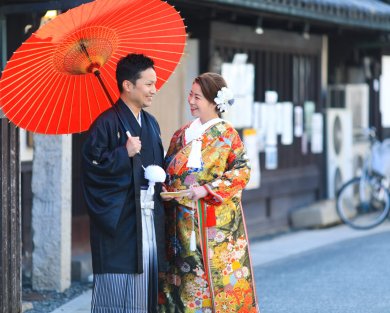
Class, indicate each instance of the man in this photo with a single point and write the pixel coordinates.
(127, 241)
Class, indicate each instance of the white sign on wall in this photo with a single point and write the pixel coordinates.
(317, 133)
(287, 122)
(271, 136)
(271, 157)
(298, 121)
(250, 139)
(240, 78)
(309, 109)
(260, 124)
(385, 91)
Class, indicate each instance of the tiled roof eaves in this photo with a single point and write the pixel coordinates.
(371, 14)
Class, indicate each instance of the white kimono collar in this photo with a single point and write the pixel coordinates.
(194, 134)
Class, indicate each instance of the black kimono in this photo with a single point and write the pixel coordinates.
(111, 187)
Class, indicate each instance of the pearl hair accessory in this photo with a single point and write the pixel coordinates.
(223, 99)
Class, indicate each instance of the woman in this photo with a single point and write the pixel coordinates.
(209, 263)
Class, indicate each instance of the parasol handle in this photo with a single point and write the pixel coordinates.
(97, 74)
(94, 69)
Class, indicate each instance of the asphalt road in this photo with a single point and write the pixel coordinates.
(351, 276)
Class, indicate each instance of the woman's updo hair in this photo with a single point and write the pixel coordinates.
(210, 84)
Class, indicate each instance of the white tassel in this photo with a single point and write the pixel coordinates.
(195, 157)
(193, 241)
(193, 236)
(150, 191)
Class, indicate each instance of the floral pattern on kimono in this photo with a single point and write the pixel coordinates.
(217, 276)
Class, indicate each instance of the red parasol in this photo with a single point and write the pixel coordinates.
(63, 76)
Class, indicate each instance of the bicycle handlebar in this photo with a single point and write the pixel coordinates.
(370, 132)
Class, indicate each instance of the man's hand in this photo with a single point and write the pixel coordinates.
(133, 146)
(165, 197)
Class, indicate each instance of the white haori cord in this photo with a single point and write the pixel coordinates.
(154, 174)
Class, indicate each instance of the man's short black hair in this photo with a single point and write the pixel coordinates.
(130, 68)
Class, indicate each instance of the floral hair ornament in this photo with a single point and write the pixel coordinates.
(223, 99)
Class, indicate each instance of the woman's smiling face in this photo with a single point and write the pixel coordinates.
(200, 106)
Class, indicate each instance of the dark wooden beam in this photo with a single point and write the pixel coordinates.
(39, 6)
(10, 231)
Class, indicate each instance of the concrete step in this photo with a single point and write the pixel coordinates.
(319, 214)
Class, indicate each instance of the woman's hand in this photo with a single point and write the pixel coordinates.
(197, 193)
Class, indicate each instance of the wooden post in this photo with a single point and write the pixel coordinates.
(10, 231)
(10, 226)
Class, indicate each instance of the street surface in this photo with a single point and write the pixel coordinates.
(331, 270)
(351, 276)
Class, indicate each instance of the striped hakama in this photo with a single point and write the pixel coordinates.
(130, 293)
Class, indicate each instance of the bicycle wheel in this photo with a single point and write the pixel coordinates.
(363, 203)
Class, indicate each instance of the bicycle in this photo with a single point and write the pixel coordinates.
(364, 202)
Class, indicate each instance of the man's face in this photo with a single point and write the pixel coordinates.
(142, 92)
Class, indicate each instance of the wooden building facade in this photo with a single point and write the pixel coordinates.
(304, 47)
(292, 67)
